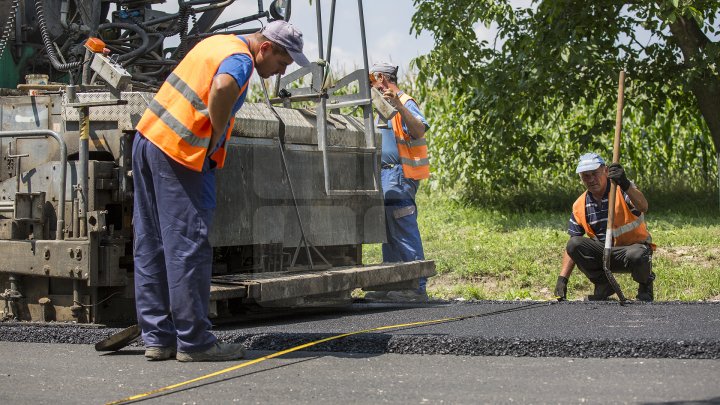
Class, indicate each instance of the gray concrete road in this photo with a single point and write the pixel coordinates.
(32, 373)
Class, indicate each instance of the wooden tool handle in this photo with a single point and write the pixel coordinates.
(607, 253)
(618, 117)
(616, 153)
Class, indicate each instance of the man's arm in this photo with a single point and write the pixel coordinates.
(637, 198)
(223, 94)
(567, 265)
(415, 127)
(616, 173)
(561, 285)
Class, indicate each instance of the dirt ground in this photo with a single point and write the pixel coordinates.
(691, 255)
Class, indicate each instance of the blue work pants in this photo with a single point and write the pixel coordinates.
(172, 217)
(403, 235)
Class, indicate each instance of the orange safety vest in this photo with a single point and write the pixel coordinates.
(177, 120)
(413, 152)
(627, 228)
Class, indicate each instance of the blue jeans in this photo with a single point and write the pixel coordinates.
(172, 216)
(403, 236)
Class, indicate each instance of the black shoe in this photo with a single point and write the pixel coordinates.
(645, 291)
(602, 292)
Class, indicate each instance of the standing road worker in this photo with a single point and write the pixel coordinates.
(633, 247)
(180, 141)
(404, 164)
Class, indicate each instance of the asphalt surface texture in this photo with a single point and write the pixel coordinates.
(508, 328)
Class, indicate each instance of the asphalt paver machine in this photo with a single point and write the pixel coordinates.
(297, 199)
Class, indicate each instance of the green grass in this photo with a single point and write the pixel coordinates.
(485, 253)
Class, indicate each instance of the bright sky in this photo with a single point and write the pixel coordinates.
(387, 28)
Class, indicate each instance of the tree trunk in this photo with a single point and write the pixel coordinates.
(704, 84)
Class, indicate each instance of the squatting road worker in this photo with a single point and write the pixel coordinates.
(404, 164)
(633, 247)
(180, 141)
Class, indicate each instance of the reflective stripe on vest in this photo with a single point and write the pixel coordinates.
(188, 93)
(177, 120)
(416, 162)
(181, 130)
(627, 229)
(412, 142)
(413, 152)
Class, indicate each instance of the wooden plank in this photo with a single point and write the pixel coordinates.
(265, 287)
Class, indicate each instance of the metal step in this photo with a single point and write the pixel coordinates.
(265, 287)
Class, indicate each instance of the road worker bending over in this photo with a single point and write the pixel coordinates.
(180, 141)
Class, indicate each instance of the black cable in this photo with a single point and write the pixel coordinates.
(141, 50)
(49, 47)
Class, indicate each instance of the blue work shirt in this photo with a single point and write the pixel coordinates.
(240, 67)
(597, 215)
(390, 154)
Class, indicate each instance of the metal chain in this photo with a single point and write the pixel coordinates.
(9, 25)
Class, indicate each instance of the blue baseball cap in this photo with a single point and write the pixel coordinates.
(286, 35)
(588, 162)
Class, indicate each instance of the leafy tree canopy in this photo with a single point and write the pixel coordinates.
(545, 89)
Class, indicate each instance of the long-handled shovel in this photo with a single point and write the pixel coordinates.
(607, 254)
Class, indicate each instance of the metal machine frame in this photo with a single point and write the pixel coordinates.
(298, 198)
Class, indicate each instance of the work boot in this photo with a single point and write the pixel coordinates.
(157, 353)
(376, 295)
(602, 292)
(407, 296)
(645, 290)
(217, 352)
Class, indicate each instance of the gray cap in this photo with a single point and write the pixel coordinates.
(286, 35)
(588, 162)
(384, 67)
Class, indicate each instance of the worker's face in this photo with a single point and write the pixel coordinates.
(271, 60)
(595, 180)
(379, 81)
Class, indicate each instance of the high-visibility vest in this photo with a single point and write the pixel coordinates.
(627, 228)
(413, 152)
(177, 120)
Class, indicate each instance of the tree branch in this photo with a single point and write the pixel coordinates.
(705, 86)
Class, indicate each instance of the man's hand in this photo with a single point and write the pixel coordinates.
(561, 288)
(616, 173)
(392, 98)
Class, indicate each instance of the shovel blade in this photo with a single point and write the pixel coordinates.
(119, 340)
(610, 277)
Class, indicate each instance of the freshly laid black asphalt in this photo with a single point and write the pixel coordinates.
(517, 328)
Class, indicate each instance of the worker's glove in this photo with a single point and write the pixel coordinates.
(561, 288)
(616, 173)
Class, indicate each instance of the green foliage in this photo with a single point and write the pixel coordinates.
(515, 114)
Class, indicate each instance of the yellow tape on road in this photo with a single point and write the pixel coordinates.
(313, 343)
